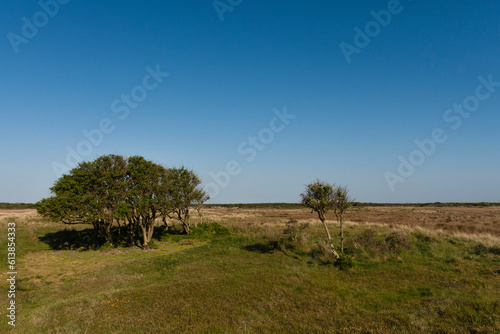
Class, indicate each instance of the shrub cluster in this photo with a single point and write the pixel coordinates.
(213, 229)
(132, 192)
(395, 242)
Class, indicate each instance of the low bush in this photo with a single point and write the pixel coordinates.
(398, 242)
(151, 245)
(480, 249)
(344, 262)
(293, 237)
(423, 242)
(366, 242)
(214, 229)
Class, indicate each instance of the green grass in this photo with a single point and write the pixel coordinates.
(256, 280)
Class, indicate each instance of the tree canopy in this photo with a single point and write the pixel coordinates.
(184, 192)
(131, 191)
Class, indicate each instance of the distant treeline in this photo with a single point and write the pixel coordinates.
(293, 205)
(435, 204)
(17, 206)
(257, 205)
(355, 204)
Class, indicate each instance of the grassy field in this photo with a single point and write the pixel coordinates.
(416, 270)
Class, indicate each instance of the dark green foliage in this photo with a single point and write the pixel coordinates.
(151, 245)
(17, 206)
(423, 242)
(321, 254)
(319, 197)
(131, 192)
(494, 250)
(397, 242)
(219, 229)
(93, 193)
(344, 262)
(210, 229)
(183, 193)
(146, 195)
(480, 249)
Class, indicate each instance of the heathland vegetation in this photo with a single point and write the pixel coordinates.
(247, 270)
(128, 257)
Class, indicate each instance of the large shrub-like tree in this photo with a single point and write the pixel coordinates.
(92, 193)
(146, 194)
(115, 189)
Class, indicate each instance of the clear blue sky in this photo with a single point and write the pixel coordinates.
(69, 66)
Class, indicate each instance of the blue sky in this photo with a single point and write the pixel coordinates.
(352, 116)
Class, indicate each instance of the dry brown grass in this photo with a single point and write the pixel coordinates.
(480, 225)
(456, 220)
(470, 220)
(18, 213)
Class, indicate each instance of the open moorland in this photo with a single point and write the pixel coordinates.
(253, 269)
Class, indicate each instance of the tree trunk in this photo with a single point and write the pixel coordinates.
(96, 228)
(119, 230)
(107, 232)
(341, 236)
(144, 235)
(186, 227)
(335, 254)
(131, 227)
(150, 232)
(184, 218)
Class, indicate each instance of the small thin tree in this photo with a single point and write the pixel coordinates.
(320, 198)
(342, 202)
